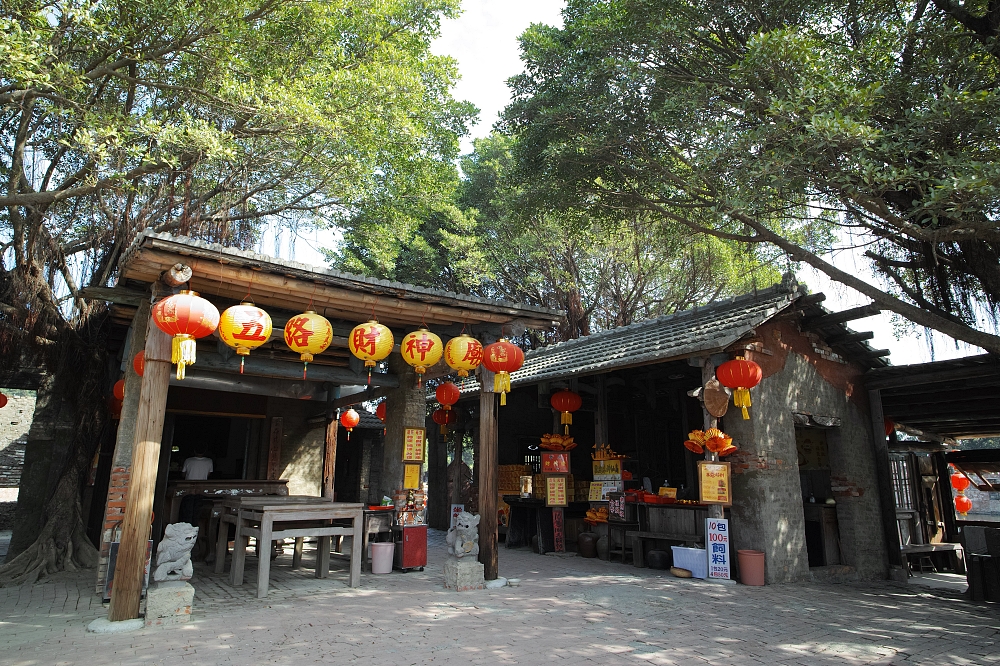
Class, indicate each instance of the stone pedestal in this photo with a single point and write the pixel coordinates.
(169, 602)
(464, 574)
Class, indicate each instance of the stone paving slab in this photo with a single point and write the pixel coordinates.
(565, 609)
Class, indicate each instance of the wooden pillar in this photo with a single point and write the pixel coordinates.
(330, 454)
(886, 500)
(121, 460)
(708, 374)
(274, 448)
(486, 472)
(601, 416)
(130, 568)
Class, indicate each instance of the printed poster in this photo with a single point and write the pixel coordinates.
(717, 545)
(714, 483)
(411, 477)
(555, 491)
(413, 444)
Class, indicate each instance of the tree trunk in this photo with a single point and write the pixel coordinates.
(49, 531)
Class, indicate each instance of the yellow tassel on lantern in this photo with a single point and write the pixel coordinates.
(566, 420)
(182, 352)
(741, 398)
(501, 385)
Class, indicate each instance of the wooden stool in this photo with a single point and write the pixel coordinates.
(623, 527)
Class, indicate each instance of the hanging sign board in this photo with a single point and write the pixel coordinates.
(411, 477)
(714, 483)
(555, 463)
(607, 470)
(717, 544)
(413, 444)
(555, 491)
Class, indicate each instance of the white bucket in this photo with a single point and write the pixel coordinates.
(382, 557)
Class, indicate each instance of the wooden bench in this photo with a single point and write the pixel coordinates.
(639, 558)
(926, 549)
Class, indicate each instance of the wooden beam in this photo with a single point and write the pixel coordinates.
(840, 317)
(811, 299)
(896, 376)
(229, 383)
(131, 563)
(872, 353)
(257, 366)
(118, 295)
(487, 471)
(847, 338)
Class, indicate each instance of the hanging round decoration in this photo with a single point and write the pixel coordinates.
(349, 419)
(3, 401)
(119, 389)
(444, 418)
(244, 327)
(421, 349)
(464, 354)
(114, 408)
(371, 342)
(139, 363)
(380, 411)
(963, 505)
(566, 402)
(502, 357)
(716, 398)
(959, 482)
(185, 316)
(308, 333)
(447, 394)
(740, 375)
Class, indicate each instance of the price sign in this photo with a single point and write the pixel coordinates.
(555, 491)
(717, 544)
(413, 444)
(713, 482)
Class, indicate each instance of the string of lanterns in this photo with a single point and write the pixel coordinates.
(963, 505)
(186, 317)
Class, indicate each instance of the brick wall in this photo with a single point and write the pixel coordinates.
(768, 510)
(114, 513)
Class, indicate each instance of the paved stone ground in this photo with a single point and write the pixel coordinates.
(565, 608)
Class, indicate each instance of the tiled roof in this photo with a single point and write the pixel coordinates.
(328, 276)
(709, 328)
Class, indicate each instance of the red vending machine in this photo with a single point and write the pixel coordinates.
(411, 547)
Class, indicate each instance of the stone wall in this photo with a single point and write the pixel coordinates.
(768, 513)
(302, 444)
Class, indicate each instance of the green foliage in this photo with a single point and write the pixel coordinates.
(209, 116)
(782, 122)
(602, 271)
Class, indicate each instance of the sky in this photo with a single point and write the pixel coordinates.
(483, 39)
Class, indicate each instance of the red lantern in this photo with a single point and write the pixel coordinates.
(447, 394)
(566, 402)
(889, 427)
(503, 357)
(380, 411)
(740, 375)
(115, 408)
(185, 316)
(963, 505)
(349, 419)
(444, 418)
(959, 481)
(119, 389)
(139, 363)
(3, 401)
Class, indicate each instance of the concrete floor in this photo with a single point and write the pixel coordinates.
(565, 608)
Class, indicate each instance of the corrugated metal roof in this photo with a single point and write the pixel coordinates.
(709, 328)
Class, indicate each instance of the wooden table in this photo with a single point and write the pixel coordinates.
(225, 512)
(270, 518)
(218, 489)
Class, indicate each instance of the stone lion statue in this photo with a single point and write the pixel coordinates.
(173, 555)
(463, 538)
